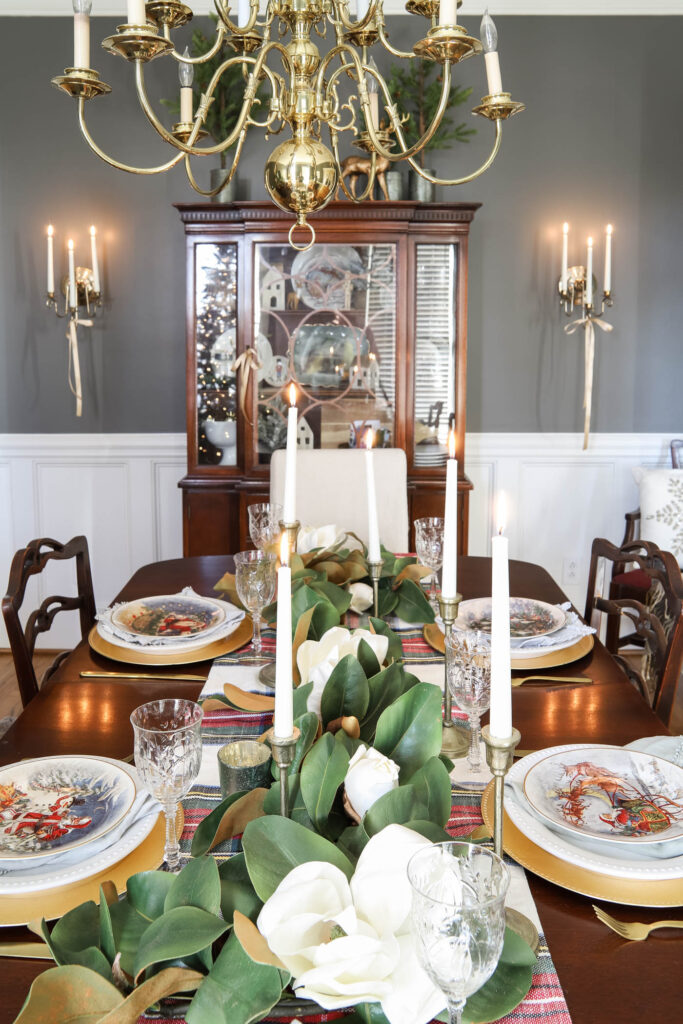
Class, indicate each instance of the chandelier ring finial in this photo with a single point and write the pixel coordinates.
(303, 224)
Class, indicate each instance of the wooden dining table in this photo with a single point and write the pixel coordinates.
(605, 979)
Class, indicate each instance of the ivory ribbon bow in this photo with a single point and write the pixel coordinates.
(74, 368)
(587, 323)
(247, 362)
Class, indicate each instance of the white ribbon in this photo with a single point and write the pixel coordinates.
(587, 322)
(74, 367)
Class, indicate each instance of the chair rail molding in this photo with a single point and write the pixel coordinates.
(121, 491)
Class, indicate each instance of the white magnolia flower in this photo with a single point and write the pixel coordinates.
(362, 596)
(347, 944)
(311, 537)
(369, 776)
(316, 658)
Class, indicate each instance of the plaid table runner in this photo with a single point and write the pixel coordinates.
(544, 1002)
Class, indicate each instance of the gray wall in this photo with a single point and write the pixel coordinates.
(600, 141)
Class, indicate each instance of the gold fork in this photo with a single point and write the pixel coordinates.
(553, 679)
(634, 930)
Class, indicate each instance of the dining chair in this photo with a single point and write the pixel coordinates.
(28, 562)
(657, 621)
(330, 488)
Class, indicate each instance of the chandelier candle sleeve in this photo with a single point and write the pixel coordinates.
(362, 7)
(489, 41)
(50, 260)
(95, 261)
(449, 580)
(564, 277)
(73, 294)
(589, 273)
(447, 12)
(136, 12)
(608, 259)
(289, 503)
(373, 94)
(374, 554)
(283, 721)
(82, 33)
(501, 689)
(186, 76)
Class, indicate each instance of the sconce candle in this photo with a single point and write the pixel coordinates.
(589, 273)
(501, 690)
(607, 285)
(489, 42)
(82, 10)
(243, 13)
(73, 294)
(289, 503)
(136, 12)
(447, 12)
(361, 9)
(374, 553)
(565, 258)
(373, 94)
(50, 260)
(449, 581)
(283, 721)
(186, 76)
(95, 262)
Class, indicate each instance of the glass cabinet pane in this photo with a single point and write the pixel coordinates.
(434, 351)
(326, 320)
(216, 349)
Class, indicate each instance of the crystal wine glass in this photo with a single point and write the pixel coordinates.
(468, 673)
(255, 581)
(429, 548)
(168, 754)
(264, 524)
(458, 917)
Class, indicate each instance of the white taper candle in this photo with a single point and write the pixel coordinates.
(589, 272)
(608, 258)
(449, 580)
(501, 690)
(243, 12)
(289, 503)
(95, 262)
(73, 294)
(81, 40)
(50, 260)
(564, 277)
(374, 552)
(283, 720)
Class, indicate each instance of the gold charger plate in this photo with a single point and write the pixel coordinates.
(217, 649)
(52, 903)
(667, 892)
(551, 659)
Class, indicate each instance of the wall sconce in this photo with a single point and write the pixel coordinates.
(82, 290)
(577, 288)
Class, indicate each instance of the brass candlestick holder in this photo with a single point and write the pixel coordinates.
(375, 575)
(292, 531)
(454, 742)
(499, 755)
(283, 755)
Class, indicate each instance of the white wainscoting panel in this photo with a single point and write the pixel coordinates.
(121, 491)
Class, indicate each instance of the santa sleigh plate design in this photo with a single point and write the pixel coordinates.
(52, 804)
(608, 793)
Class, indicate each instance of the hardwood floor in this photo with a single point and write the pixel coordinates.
(10, 703)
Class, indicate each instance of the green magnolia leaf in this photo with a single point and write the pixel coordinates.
(297, 807)
(385, 688)
(408, 680)
(388, 601)
(237, 892)
(75, 939)
(197, 885)
(147, 892)
(206, 830)
(447, 763)
(303, 598)
(433, 787)
(395, 649)
(339, 598)
(396, 807)
(237, 990)
(301, 695)
(516, 951)
(128, 926)
(274, 845)
(367, 1013)
(324, 617)
(175, 935)
(368, 659)
(322, 773)
(69, 995)
(412, 604)
(409, 732)
(307, 725)
(346, 691)
(350, 743)
(504, 990)
(166, 983)
(353, 841)
(107, 941)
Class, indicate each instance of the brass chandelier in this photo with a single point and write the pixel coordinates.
(306, 89)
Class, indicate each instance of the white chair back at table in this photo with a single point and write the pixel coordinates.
(330, 488)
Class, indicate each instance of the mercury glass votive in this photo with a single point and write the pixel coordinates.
(243, 764)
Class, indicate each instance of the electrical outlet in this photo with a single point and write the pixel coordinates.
(570, 569)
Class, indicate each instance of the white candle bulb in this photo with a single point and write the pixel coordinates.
(374, 551)
(243, 12)
(50, 260)
(186, 76)
(82, 10)
(289, 503)
(489, 42)
(589, 273)
(608, 258)
(501, 689)
(449, 581)
(283, 721)
(95, 262)
(565, 257)
(73, 294)
(362, 9)
(373, 93)
(447, 12)
(136, 12)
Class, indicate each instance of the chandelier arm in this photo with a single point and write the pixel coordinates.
(384, 40)
(160, 168)
(339, 7)
(236, 30)
(371, 176)
(220, 38)
(468, 177)
(209, 193)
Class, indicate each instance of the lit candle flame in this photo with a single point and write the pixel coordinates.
(565, 228)
(93, 230)
(50, 230)
(70, 244)
(609, 229)
(284, 549)
(292, 395)
(451, 444)
(502, 512)
(590, 243)
(367, 440)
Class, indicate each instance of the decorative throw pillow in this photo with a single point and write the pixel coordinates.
(661, 508)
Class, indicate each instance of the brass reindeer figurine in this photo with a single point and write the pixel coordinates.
(354, 166)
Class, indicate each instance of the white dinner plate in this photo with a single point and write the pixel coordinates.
(528, 618)
(197, 643)
(169, 617)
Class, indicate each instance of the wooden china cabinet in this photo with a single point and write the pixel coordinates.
(370, 324)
